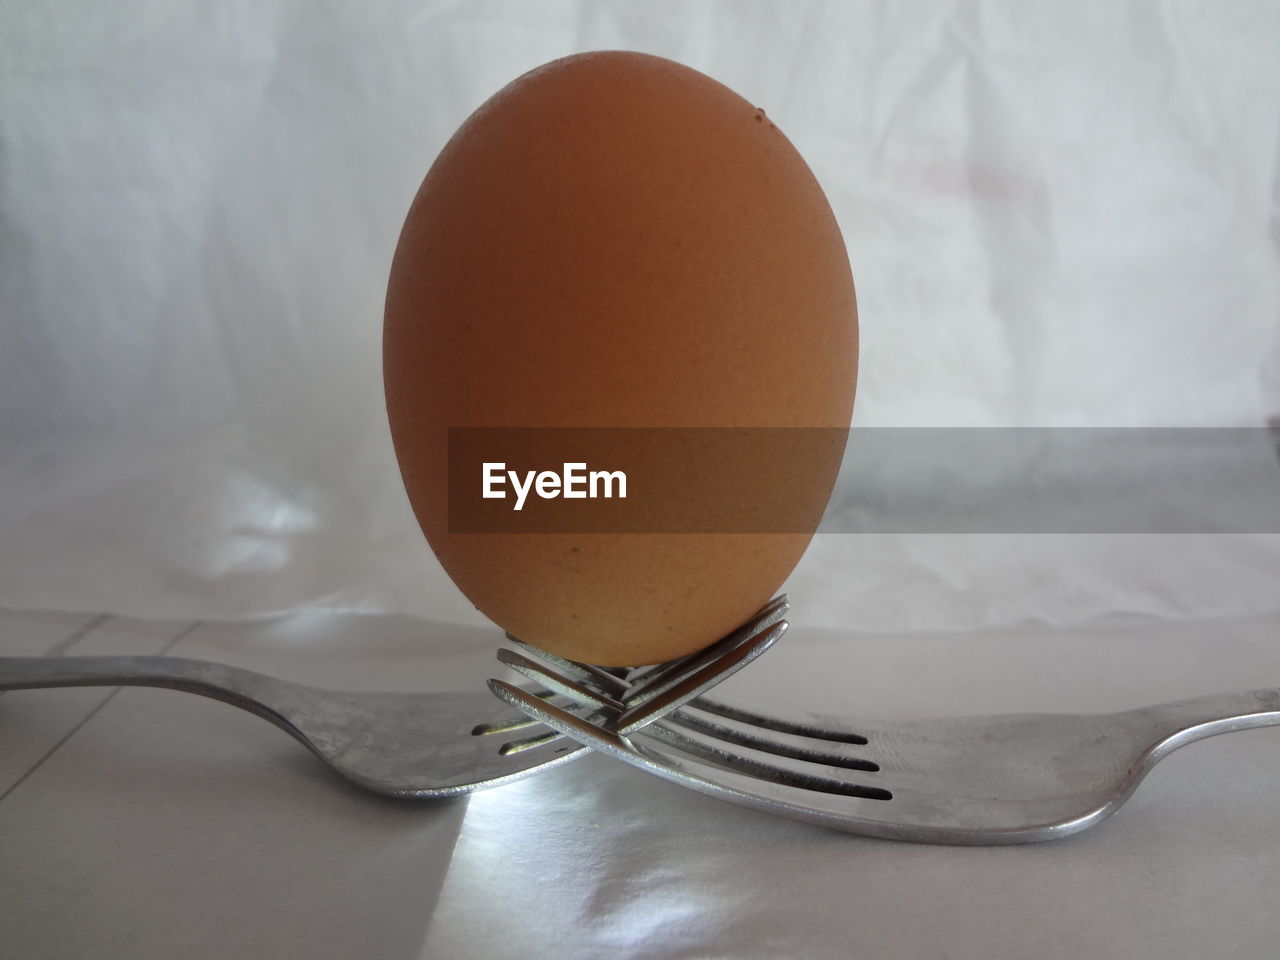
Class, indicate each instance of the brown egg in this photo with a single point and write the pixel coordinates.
(615, 240)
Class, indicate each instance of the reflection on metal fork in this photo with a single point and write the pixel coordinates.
(627, 705)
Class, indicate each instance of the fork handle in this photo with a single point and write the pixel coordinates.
(1185, 721)
(217, 680)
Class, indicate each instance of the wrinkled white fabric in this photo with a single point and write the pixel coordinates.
(1056, 215)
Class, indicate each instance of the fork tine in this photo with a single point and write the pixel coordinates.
(611, 743)
(755, 740)
(598, 677)
(705, 677)
(659, 680)
(552, 716)
(660, 689)
(809, 726)
(653, 676)
(762, 769)
(538, 740)
(653, 681)
(562, 685)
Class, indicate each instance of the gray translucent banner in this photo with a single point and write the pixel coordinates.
(1060, 480)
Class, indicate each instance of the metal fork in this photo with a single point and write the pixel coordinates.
(968, 780)
(412, 744)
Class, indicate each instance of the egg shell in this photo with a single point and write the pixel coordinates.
(616, 240)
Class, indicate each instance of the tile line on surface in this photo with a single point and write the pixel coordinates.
(79, 634)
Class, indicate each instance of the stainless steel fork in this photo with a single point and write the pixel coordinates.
(413, 744)
(967, 780)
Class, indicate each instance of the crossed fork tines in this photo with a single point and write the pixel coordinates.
(664, 703)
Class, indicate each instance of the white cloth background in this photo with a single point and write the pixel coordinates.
(1057, 214)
